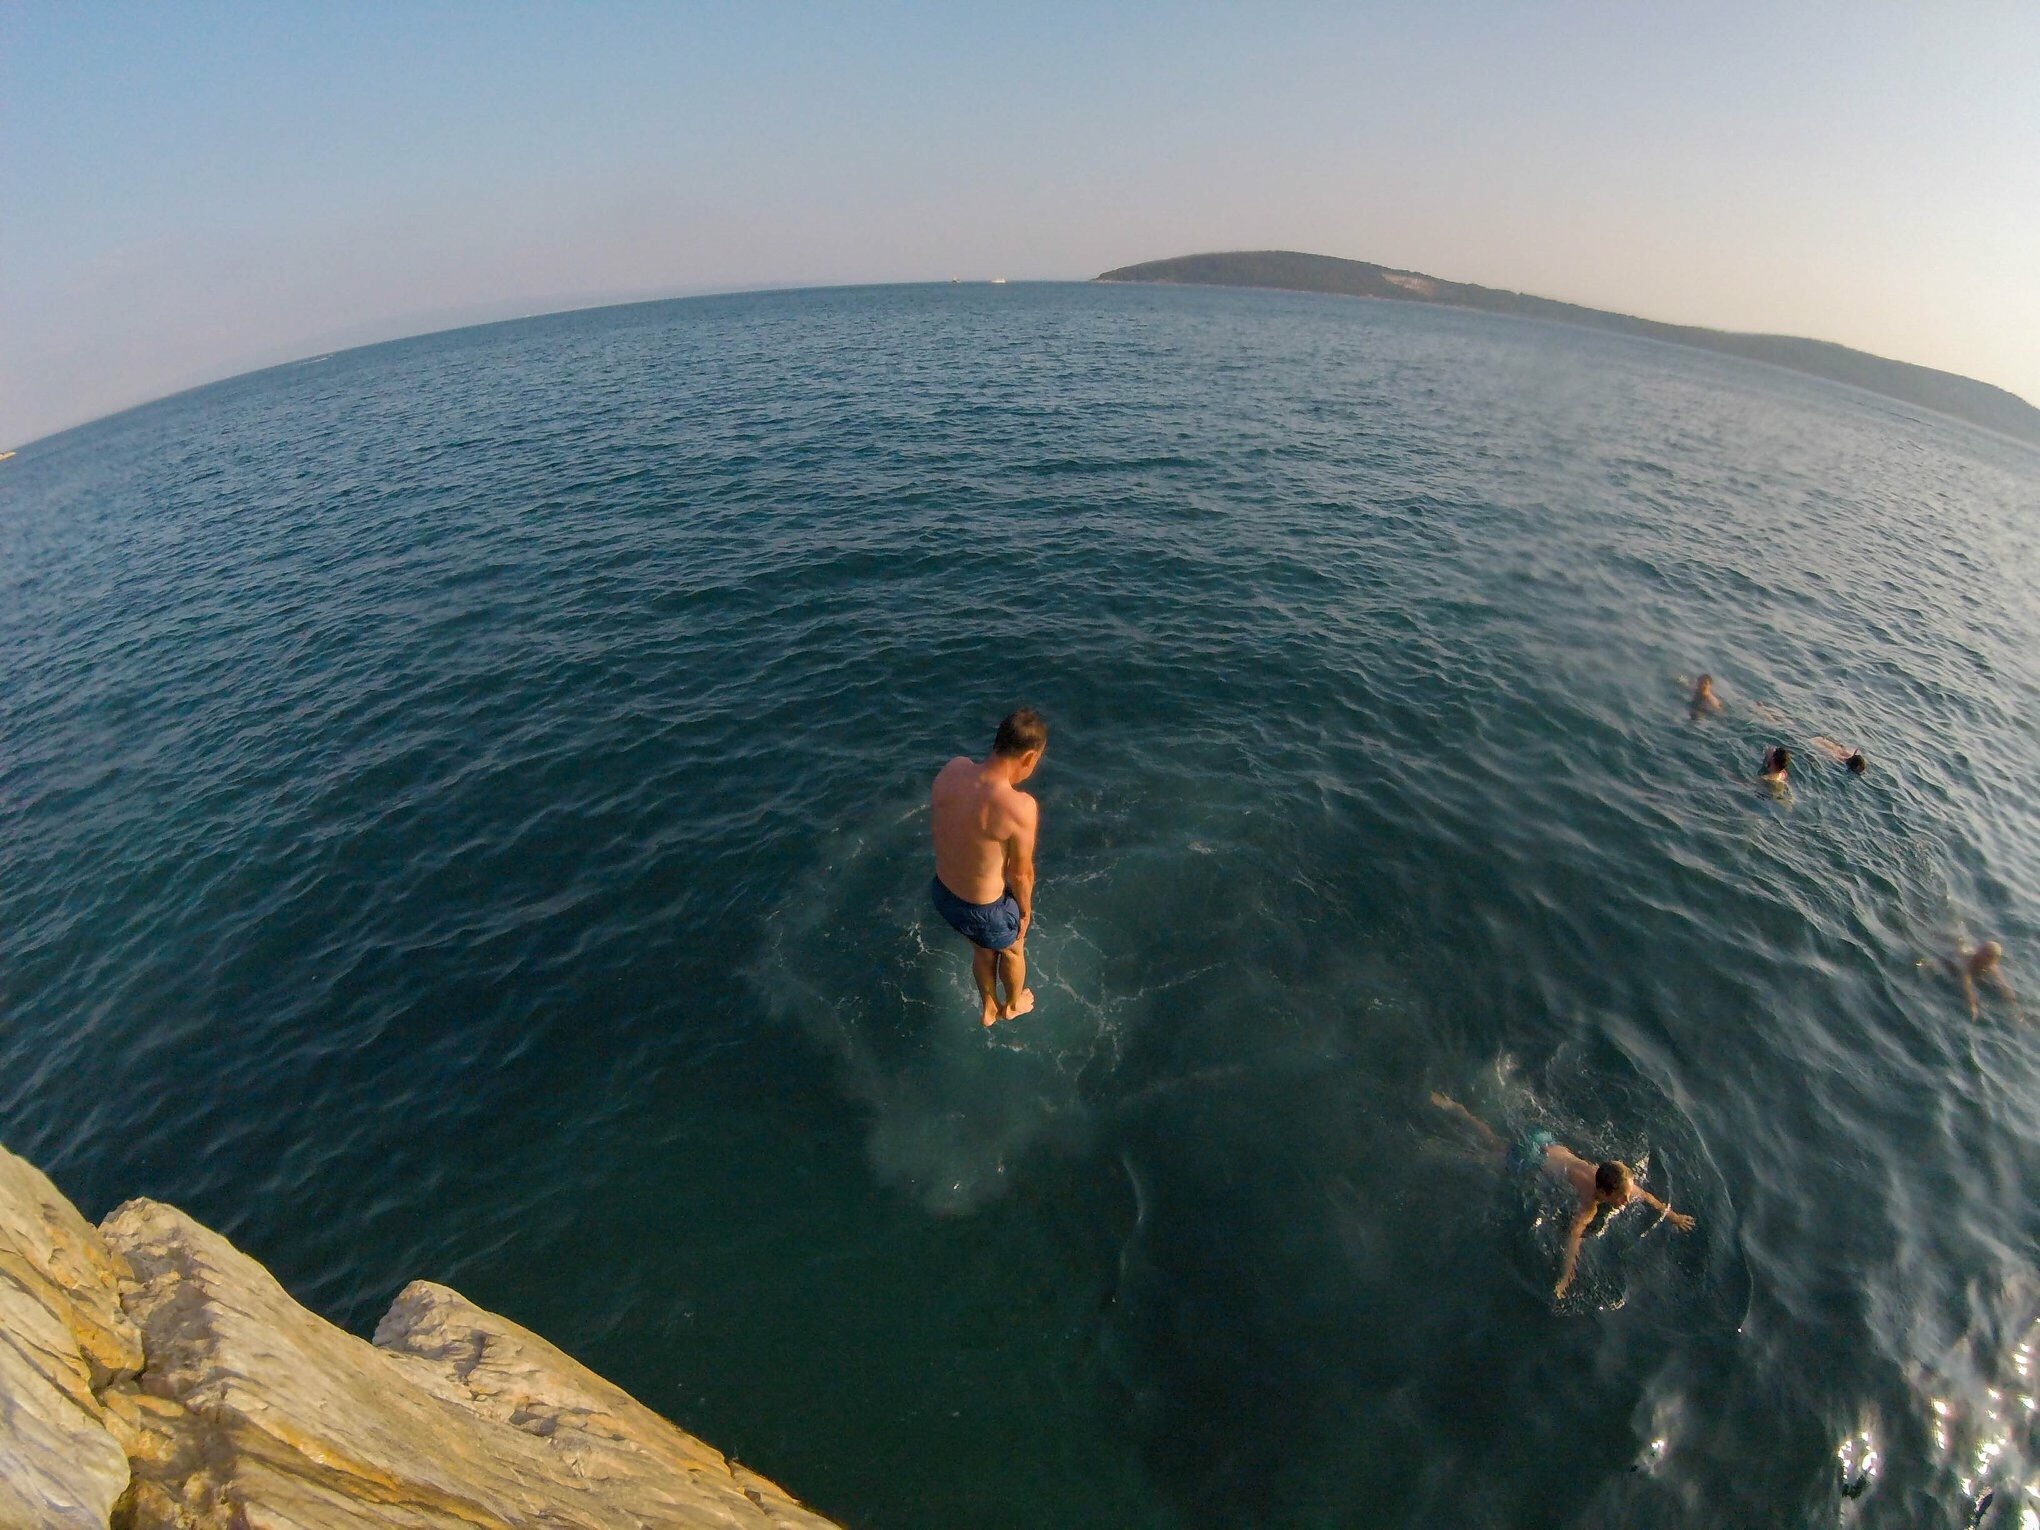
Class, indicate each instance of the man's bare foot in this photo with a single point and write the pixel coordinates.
(1019, 1006)
(990, 1013)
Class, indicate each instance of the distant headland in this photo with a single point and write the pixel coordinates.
(1288, 271)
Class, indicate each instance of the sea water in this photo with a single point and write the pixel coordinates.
(464, 817)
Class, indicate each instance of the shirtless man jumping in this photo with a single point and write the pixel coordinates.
(984, 859)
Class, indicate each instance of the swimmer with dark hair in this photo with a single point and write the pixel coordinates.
(1841, 754)
(1610, 1183)
(1777, 771)
(1976, 964)
(1705, 703)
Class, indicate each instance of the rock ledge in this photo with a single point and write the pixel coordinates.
(153, 1377)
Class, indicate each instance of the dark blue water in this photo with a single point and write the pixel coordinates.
(464, 818)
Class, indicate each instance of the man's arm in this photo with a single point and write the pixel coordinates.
(1969, 993)
(1678, 1219)
(1572, 1247)
(1020, 859)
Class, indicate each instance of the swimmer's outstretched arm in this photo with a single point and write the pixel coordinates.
(1577, 1231)
(1678, 1219)
(1969, 993)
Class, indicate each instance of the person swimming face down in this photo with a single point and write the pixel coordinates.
(1608, 1183)
(1777, 767)
(1853, 760)
(1614, 1185)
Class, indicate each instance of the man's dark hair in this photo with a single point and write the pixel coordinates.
(1611, 1177)
(1021, 733)
(1857, 764)
(1778, 759)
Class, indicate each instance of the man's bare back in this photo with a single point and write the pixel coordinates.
(976, 816)
(984, 828)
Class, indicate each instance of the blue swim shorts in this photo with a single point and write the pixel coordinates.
(1527, 1156)
(990, 926)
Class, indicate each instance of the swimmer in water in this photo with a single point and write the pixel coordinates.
(1776, 773)
(984, 859)
(1841, 754)
(1976, 964)
(1705, 703)
(1609, 1183)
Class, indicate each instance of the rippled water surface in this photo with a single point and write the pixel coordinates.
(464, 818)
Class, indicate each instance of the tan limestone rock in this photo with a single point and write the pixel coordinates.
(63, 1338)
(254, 1414)
(510, 1375)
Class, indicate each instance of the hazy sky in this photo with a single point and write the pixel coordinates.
(187, 192)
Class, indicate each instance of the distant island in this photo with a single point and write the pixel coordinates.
(1288, 271)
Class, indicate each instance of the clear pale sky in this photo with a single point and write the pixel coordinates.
(187, 192)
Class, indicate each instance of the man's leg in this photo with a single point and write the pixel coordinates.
(1488, 1135)
(1013, 973)
(983, 965)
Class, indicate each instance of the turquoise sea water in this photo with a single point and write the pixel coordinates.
(464, 818)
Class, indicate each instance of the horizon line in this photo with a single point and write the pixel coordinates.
(336, 345)
(585, 303)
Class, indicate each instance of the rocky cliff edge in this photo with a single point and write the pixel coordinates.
(153, 1377)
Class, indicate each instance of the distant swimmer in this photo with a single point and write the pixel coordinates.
(1777, 771)
(1971, 965)
(984, 859)
(1841, 754)
(1594, 1185)
(1705, 703)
